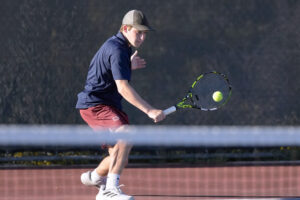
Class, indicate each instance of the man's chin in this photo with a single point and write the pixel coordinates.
(137, 45)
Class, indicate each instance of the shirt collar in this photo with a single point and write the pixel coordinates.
(122, 38)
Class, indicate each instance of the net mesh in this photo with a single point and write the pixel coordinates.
(45, 162)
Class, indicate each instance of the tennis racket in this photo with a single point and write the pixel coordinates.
(200, 95)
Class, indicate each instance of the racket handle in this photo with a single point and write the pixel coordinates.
(169, 110)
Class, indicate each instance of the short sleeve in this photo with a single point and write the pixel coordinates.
(120, 65)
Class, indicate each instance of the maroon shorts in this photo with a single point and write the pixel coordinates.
(104, 116)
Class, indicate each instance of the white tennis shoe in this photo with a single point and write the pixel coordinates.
(113, 194)
(86, 179)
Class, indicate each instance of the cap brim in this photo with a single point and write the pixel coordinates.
(143, 27)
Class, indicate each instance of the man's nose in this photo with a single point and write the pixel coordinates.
(143, 36)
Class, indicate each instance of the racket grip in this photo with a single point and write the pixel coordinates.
(169, 110)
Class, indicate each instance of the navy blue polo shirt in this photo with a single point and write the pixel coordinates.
(110, 63)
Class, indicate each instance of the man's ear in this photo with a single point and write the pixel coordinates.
(125, 28)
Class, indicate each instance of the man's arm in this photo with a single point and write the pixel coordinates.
(125, 89)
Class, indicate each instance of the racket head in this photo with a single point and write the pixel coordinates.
(202, 90)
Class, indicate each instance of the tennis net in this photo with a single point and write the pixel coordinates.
(166, 162)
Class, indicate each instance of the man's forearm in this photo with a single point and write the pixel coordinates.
(130, 95)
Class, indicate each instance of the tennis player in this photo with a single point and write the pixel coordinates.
(99, 103)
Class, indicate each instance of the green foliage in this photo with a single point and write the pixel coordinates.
(151, 155)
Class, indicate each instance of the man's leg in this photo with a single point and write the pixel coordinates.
(108, 117)
(119, 157)
(98, 176)
(115, 162)
(119, 154)
(118, 160)
(103, 167)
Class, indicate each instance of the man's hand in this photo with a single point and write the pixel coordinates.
(137, 62)
(156, 115)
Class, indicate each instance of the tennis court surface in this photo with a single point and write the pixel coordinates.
(240, 163)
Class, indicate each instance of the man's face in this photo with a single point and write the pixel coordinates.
(135, 37)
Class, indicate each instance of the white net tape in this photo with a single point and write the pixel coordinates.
(153, 135)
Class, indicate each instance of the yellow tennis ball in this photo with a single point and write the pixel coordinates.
(217, 96)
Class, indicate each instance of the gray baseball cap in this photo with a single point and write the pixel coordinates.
(136, 19)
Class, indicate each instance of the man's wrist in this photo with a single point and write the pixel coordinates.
(148, 110)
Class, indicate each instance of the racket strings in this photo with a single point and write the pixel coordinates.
(203, 89)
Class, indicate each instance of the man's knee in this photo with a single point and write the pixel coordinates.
(120, 151)
(122, 147)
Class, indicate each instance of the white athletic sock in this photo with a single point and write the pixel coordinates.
(112, 180)
(96, 177)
